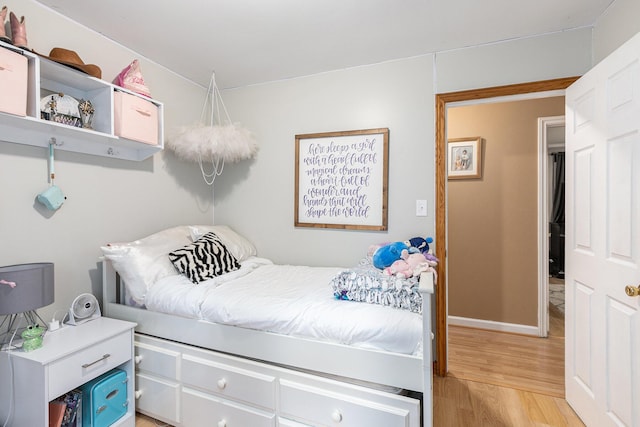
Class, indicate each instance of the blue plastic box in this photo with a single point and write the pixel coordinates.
(104, 399)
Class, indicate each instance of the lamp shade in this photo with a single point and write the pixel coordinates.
(25, 287)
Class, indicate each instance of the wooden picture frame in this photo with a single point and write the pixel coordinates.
(341, 179)
(464, 158)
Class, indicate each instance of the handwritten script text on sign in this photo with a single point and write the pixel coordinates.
(341, 179)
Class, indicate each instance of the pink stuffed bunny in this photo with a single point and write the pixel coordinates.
(409, 265)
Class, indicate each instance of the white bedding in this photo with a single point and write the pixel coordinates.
(286, 299)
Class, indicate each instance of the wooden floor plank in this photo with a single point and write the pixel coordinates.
(511, 360)
(507, 380)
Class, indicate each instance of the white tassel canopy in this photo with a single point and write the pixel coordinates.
(217, 142)
(230, 143)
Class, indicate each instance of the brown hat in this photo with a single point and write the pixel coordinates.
(70, 58)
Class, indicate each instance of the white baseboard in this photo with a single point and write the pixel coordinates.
(493, 326)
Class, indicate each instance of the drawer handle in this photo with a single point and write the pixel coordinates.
(222, 423)
(137, 359)
(144, 112)
(105, 356)
(138, 393)
(336, 416)
(222, 383)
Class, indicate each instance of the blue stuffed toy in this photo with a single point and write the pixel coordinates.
(421, 245)
(385, 255)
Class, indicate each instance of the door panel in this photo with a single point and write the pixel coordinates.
(619, 349)
(603, 241)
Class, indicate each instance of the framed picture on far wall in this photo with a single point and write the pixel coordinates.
(464, 158)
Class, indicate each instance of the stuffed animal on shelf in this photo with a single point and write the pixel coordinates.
(385, 255)
(420, 244)
(410, 264)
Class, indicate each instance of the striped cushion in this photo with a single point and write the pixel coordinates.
(204, 259)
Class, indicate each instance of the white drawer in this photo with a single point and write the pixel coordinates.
(78, 368)
(283, 422)
(229, 381)
(316, 406)
(157, 397)
(156, 360)
(204, 410)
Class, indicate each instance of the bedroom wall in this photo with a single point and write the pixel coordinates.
(108, 199)
(617, 25)
(256, 198)
(493, 221)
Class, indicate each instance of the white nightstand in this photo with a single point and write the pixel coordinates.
(69, 357)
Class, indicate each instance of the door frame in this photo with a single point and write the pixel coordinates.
(442, 100)
(544, 191)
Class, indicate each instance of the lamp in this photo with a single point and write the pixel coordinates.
(23, 289)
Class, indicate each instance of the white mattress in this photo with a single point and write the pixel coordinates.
(292, 300)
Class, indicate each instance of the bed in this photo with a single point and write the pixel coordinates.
(266, 344)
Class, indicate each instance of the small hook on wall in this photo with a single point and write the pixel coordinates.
(53, 142)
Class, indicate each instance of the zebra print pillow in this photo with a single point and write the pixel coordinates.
(204, 259)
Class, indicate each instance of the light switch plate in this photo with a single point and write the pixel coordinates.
(421, 208)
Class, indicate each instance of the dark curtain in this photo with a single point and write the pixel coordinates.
(557, 214)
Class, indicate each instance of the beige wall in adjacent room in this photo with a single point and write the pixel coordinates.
(492, 221)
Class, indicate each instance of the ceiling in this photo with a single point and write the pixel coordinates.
(254, 41)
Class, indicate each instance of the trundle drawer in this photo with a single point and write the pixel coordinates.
(229, 381)
(316, 406)
(204, 410)
(156, 360)
(78, 368)
(158, 397)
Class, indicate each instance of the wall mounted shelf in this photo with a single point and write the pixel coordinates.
(48, 77)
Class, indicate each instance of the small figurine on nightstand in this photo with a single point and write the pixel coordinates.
(32, 337)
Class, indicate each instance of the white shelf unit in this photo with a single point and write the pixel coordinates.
(46, 77)
(69, 358)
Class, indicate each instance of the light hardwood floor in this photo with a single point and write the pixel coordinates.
(504, 380)
(497, 380)
(144, 421)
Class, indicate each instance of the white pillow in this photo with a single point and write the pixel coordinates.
(239, 246)
(143, 262)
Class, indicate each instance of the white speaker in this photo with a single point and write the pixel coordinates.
(83, 308)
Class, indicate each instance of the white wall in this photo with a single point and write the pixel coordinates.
(257, 198)
(617, 25)
(563, 54)
(108, 199)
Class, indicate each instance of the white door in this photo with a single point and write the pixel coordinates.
(603, 241)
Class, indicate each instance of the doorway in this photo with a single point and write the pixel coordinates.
(443, 101)
(551, 143)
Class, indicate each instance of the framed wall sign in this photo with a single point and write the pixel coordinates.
(341, 179)
(464, 158)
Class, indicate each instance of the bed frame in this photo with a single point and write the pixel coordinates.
(413, 373)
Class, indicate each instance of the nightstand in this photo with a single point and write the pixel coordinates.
(69, 357)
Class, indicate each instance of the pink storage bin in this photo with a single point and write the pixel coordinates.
(13, 82)
(135, 118)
